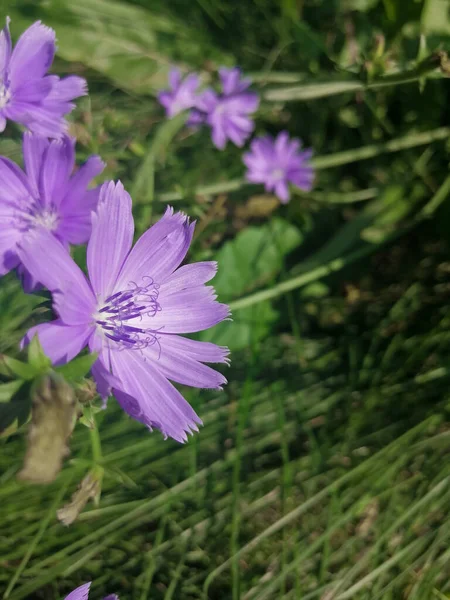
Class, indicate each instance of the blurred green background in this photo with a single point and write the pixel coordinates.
(322, 470)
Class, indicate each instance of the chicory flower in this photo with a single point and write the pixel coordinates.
(278, 162)
(181, 96)
(45, 196)
(228, 113)
(132, 310)
(28, 95)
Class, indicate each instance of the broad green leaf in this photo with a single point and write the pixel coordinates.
(131, 45)
(436, 17)
(252, 259)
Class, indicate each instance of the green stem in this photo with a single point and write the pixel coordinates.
(312, 91)
(95, 444)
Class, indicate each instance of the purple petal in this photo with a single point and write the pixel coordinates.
(188, 276)
(72, 296)
(68, 88)
(76, 228)
(33, 91)
(34, 148)
(8, 248)
(32, 55)
(282, 191)
(104, 380)
(60, 342)
(14, 187)
(81, 593)
(39, 119)
(111, 238)
(174, 361)
(159, 403)
(219, 137)
(174, 77)
(187, 311)
(78, 185)
(111, 597)
(159, 251)
(57, 166)
(5, 48)
(29, 283)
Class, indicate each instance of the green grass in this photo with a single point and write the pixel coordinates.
(322, 468)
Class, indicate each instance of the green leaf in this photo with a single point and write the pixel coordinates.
(252, 259)
(18, 368)
(131, 45)
(37, 358)
(436, 17)
(77, 368)
(7, 390)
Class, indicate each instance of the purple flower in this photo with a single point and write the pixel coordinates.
(276, 162)
(132, 310)
(82, 593)
(45, 196)
(182, 96)
(27, 94)
(228, 113)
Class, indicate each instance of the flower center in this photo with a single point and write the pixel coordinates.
(278, 174)
(5, 95)
(47, 219)
(36, 216)
(119, 315)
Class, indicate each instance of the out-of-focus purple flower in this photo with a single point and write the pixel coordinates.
(131, 311)
(82, 593)
(228, 113)
(27, 94)
(45, 196)
(181, 96)
(277, 162)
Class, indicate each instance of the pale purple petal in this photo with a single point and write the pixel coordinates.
(76, 227)
(112, 230)
(172, 358)
(68, 88)
(159, 251)
(14, 187)
(111, 597)
(33, 54)
(81, 593)
(188, 276)
(34, 148)
(73, 298)
(60, 342)
(33, 91)
(9, 238)
(29, 283)
(79, 183)
(188, 311)
(57, 166)
(38, 118)
(5, 48)
(282, 191)
(158, 402)
(174, 77)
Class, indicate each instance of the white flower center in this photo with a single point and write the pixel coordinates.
(278, 174)
(5, 95)
(47, 219)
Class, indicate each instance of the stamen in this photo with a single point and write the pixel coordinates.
(121, 307)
